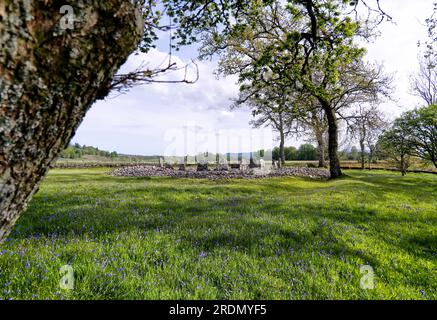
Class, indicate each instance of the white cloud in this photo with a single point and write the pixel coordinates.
(138, 121)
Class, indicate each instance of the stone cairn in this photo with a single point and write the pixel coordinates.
(221, 164)
(225, 168)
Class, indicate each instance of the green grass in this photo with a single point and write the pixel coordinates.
(278, 238)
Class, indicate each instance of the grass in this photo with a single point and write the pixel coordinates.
(95, 161)
(380, 165)
(278, 238)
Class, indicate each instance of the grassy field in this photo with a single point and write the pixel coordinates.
(278, 238)
(92, 161)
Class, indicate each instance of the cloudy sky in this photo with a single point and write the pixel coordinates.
(183, 118)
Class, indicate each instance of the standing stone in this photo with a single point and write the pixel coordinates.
(252, 163)
(202, 166)
(244, 165)
(161, 162)
(222, 165)
(262, 164)
(240, 157)
(275, 164)
(183, 165)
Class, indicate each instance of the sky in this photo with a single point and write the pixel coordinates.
(176, 119)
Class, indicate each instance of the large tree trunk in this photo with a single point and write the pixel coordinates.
(49, 78)
(334, 161)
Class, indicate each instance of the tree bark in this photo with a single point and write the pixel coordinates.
(370, 158)
(282, 149)
(363, 156)
(403, 166)
(49, 77)
(334, 161)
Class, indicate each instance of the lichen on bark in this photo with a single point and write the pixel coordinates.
(49, 78)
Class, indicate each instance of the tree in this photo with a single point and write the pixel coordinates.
(395, 143)
(424, 83)
(353, 154)
(278, 119)
(270, 107)
(317, 69)
(324, 63)
(270, 99)
(307, 152)
(421, 125)
(316, 123)
(291, 153)
(431, 43)
(366, 124)
(373, 134)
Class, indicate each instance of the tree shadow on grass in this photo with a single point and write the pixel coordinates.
(255, 219)
(102, 207)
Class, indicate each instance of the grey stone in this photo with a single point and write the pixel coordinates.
(202, 167)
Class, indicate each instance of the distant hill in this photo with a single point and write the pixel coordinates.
(77, 153)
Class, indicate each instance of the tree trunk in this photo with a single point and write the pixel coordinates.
(433, 159)
(334, 161)
(49, 77)
(282, 149)
(403, 166)
(370, 158)
(363, 159)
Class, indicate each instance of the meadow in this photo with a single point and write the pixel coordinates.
(277, 238)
